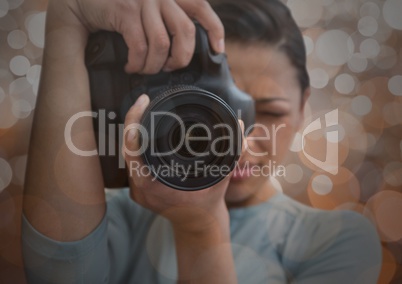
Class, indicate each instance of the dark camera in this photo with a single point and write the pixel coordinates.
(190, 136)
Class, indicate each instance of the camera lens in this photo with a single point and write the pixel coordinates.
(193, 138)
(191, 142)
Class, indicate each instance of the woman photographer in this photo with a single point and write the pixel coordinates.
(240, 230)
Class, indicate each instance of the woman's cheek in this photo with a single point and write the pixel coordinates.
(281, 139)
(287, 142)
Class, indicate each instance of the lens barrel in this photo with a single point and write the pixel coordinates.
(192, 138)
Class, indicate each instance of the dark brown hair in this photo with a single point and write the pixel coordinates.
(264, 21)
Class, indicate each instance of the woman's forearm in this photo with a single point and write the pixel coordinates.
(205, 255)
(64, 197)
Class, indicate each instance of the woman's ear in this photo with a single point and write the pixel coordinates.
(304, 99)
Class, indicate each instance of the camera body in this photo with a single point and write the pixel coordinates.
(203, 92)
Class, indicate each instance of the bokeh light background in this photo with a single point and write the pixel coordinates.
(355, 62)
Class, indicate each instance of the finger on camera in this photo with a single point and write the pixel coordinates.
(201, 11)
(137, 49)
(244, 139)
(134, 36)
(157, 36)
(182, 31)
(132, 125)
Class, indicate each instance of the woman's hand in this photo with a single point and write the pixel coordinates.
(187, 210)
(147, 26)
(200, 219)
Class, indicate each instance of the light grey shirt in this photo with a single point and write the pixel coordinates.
(278, 241)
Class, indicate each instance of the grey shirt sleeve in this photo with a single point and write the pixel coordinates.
(50, 261)
(113, 252)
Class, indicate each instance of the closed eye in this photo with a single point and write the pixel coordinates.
(274, 114)
(274, 107)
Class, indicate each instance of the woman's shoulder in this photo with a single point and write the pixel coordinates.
(317, 225)
(320, 238)
(321, 222)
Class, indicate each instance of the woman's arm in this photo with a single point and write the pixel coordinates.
(200, 219)
(64, 196)
(205, 255)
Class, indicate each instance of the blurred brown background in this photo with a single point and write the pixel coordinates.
(355, 62)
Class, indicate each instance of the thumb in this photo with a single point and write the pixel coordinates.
(132, 127)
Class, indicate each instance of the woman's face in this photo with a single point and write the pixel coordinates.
(268, 76)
